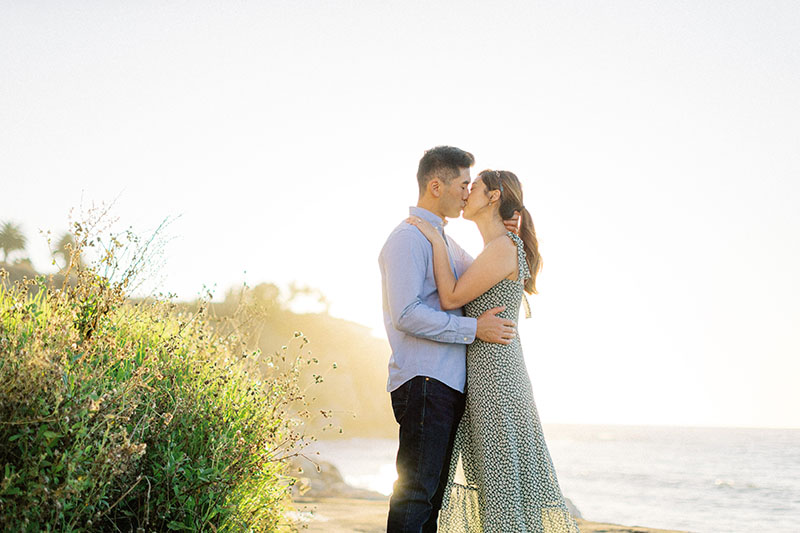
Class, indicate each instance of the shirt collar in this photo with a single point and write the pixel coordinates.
(424, 214)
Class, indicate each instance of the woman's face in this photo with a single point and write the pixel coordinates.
(477, 201)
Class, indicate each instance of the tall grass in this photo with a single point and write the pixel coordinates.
(123, 417)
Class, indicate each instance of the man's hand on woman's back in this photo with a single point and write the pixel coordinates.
(492, 328)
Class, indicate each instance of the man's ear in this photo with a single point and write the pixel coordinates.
(435, 187)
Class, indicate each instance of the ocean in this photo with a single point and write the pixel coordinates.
(702, 480)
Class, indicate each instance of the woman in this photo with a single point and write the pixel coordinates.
(501, 476)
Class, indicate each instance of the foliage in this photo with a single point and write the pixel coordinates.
(64, 249)
(11, 239)
(351, 358)
(117, 416)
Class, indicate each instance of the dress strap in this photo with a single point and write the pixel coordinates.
(524, 272)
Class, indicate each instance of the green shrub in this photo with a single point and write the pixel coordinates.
(122, 417)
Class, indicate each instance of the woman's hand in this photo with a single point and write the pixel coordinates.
(426, 228)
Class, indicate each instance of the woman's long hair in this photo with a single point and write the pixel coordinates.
(511, 200)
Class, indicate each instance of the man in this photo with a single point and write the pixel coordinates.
(427, 369)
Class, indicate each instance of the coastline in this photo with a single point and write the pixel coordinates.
(349, 515)
(322, 502)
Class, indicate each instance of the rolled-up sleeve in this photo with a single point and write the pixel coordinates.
(404, 261)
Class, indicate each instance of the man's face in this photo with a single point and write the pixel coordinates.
(455, 194)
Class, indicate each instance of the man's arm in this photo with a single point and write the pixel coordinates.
(404, 263)
(462, 258)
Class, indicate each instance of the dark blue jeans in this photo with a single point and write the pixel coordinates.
(428, 412)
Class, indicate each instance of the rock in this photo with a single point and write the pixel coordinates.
(327, 482)
(572, 509)
(323, 480)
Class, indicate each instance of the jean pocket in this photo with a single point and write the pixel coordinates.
(400, 400)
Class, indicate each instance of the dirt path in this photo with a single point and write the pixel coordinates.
(340, 515)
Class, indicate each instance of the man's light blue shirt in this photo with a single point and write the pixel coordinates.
(425, 340)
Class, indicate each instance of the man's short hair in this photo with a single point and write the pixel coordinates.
(444, 162)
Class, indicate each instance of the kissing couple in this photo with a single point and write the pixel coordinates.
(472, 456)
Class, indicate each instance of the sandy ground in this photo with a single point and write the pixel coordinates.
(340, 515)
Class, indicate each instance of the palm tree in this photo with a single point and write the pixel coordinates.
(11, 239)
(65, 247)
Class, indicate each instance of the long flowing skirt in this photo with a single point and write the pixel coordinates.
(502, 478)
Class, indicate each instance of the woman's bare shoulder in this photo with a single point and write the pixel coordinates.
(502, 245)
(501, 251)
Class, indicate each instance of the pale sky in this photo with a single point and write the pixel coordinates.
(658, 145)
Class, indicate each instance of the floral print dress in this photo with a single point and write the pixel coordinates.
(502, 478)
